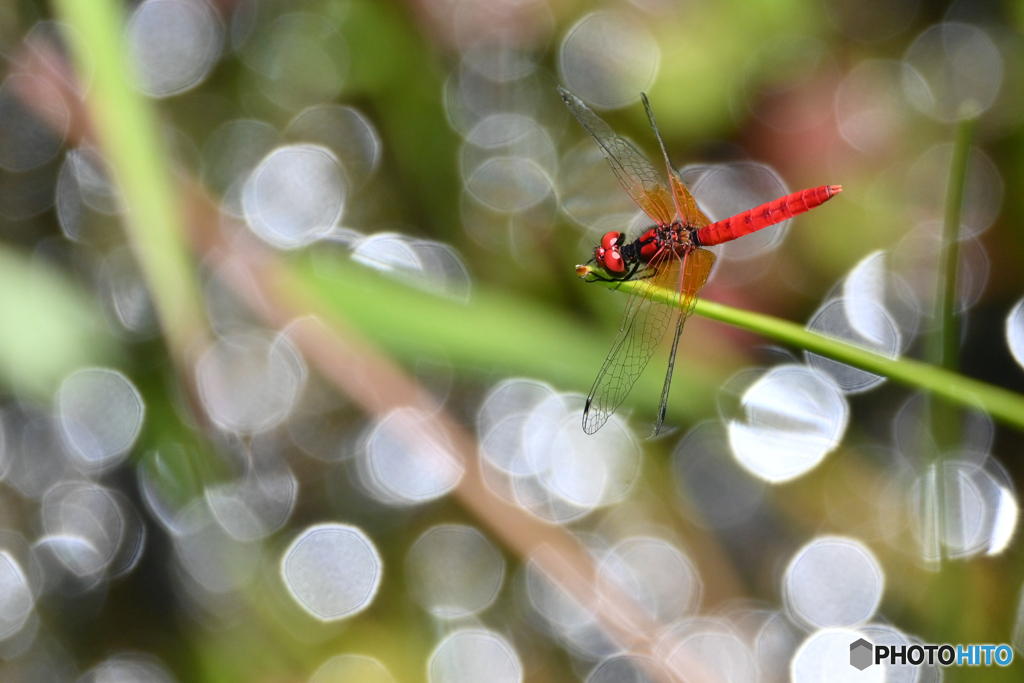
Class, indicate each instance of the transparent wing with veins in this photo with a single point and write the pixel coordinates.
(686, 205)
(644, 324)
(636, 174)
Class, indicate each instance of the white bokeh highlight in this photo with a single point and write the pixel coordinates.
(608, 58)
(705, 649)
(508, 162)
(879, 310)
(295, 196)
(431, 266)
(794, 417)
(407, 459)
(628, 669)
(258, 502)
(724, 190)
(472, 656)
(963, 508)
(833, 581)
(825, 658)
(100, 413)
(861, 322)
(16, 599)
(352, 669)
(128, 667)
(562, 616)
(870, 106)
(1015, 332)
(655, 574)
(92, 530)
(883, 634)
(956, 71)
(536, 455)
(347, 132)
(249, 381)
(332, 571)
(983, 191)
(175, 44)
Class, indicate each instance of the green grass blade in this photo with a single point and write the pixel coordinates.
(129, 133)
(945, 341)
(492, 335)
(1004, 405)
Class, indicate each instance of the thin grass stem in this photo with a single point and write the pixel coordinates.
(1002, 404)
(128, 131)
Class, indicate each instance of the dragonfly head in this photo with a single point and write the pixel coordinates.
(608, 254)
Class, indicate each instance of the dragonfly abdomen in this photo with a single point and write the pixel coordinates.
(762, 216)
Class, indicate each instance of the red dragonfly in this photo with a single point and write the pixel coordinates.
(669, 256)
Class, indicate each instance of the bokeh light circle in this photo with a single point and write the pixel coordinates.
(794, 417)
(454, 571)
(295, 195)
(1015, 332)
(16, 599)
(175, 44)
(472, 656)
(825, 658)
(833, 581)
(956, 71)
(608, 58)
(249, 381)
(100, 413)
(352, 669)
(332, 571)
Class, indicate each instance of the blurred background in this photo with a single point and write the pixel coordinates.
(297, 396)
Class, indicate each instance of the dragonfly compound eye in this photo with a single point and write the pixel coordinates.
(612, 239)
(610, 259)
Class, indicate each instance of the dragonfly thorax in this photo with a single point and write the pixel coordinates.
(617, 256)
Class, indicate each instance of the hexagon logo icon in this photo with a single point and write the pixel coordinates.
(860, 654)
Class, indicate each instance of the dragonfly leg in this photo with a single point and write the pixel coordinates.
(647, 276)
(625, 277)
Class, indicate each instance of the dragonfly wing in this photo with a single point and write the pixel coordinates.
(694, 275)
(644, 324)
(636, 174)
(685, 203)
(686, 206)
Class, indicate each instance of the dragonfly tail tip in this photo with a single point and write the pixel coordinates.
(834, 189)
